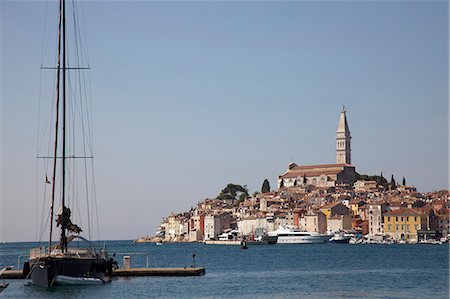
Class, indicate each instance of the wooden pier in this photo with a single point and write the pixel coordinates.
(121, 272)
(159, 272)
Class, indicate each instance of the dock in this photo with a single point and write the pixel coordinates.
(121, 272)
(13, 274)
(159, 272)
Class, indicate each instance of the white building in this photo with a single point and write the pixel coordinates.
(374, 215)
(313, 222)
(215, 224)
(249, 225)
(338, 223)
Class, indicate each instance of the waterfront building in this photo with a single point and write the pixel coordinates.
(197, 226)
(313, 221)
(443, 223)
(174, 227)
(215, 224)
(403, 224)
(375, 218)
(338, 223)
(297, 215)
(249, 225)
(360, 226)
(325, 175)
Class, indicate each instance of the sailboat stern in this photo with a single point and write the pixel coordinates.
(42, 274)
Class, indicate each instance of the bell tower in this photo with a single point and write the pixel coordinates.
(343, 147)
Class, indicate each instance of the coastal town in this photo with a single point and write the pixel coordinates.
(324, 199)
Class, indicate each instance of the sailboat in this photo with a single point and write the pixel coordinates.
(60, 263)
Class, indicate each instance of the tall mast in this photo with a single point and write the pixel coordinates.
(63, 230)
(56, 127)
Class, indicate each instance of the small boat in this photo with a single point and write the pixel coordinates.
(340, 237)
(159, 243)
(244, 245)
(70, 280)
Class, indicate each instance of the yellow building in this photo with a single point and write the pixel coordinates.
(403, 224)
(333, 209)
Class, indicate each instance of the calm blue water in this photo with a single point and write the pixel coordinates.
(272, 271)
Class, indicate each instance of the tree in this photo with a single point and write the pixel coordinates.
(404, 181)
(379, 179)
(393, 183)
(265, 186)
(233, 192)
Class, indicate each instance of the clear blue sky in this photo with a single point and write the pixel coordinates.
(191, 96)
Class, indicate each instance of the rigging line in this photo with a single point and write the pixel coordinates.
(94, 196)
(78, 58)
(88, 96)
(47, 127)
(44, 33)
(83, 23)
(36, 192)
(56, 127)
(44, 223)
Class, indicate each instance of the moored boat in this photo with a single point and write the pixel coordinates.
(340, 238)
(294, 236)
(59, 262)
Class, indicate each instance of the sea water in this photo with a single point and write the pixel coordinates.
(263, 271)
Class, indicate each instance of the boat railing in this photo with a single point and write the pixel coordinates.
(134, 253)
(19, 258)
(37, 252)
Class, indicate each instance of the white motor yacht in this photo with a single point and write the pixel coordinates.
(295, 236)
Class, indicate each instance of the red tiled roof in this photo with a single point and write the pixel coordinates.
(330, 205)
(403, 212)
(320, 166)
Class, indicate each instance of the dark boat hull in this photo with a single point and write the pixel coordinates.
(270, 239)
(44, 270)
(341, 241)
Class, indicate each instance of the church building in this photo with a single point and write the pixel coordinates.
(325, 175)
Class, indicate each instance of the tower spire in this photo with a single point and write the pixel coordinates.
(343, 138)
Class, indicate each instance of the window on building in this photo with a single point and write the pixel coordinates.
(407, 227)
(396, 227)
(389, 227)
(389, 218)
(401, 218)
(396, 218)
(415, 218)
(407, 218)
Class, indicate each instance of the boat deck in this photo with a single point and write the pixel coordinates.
(18, 274)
